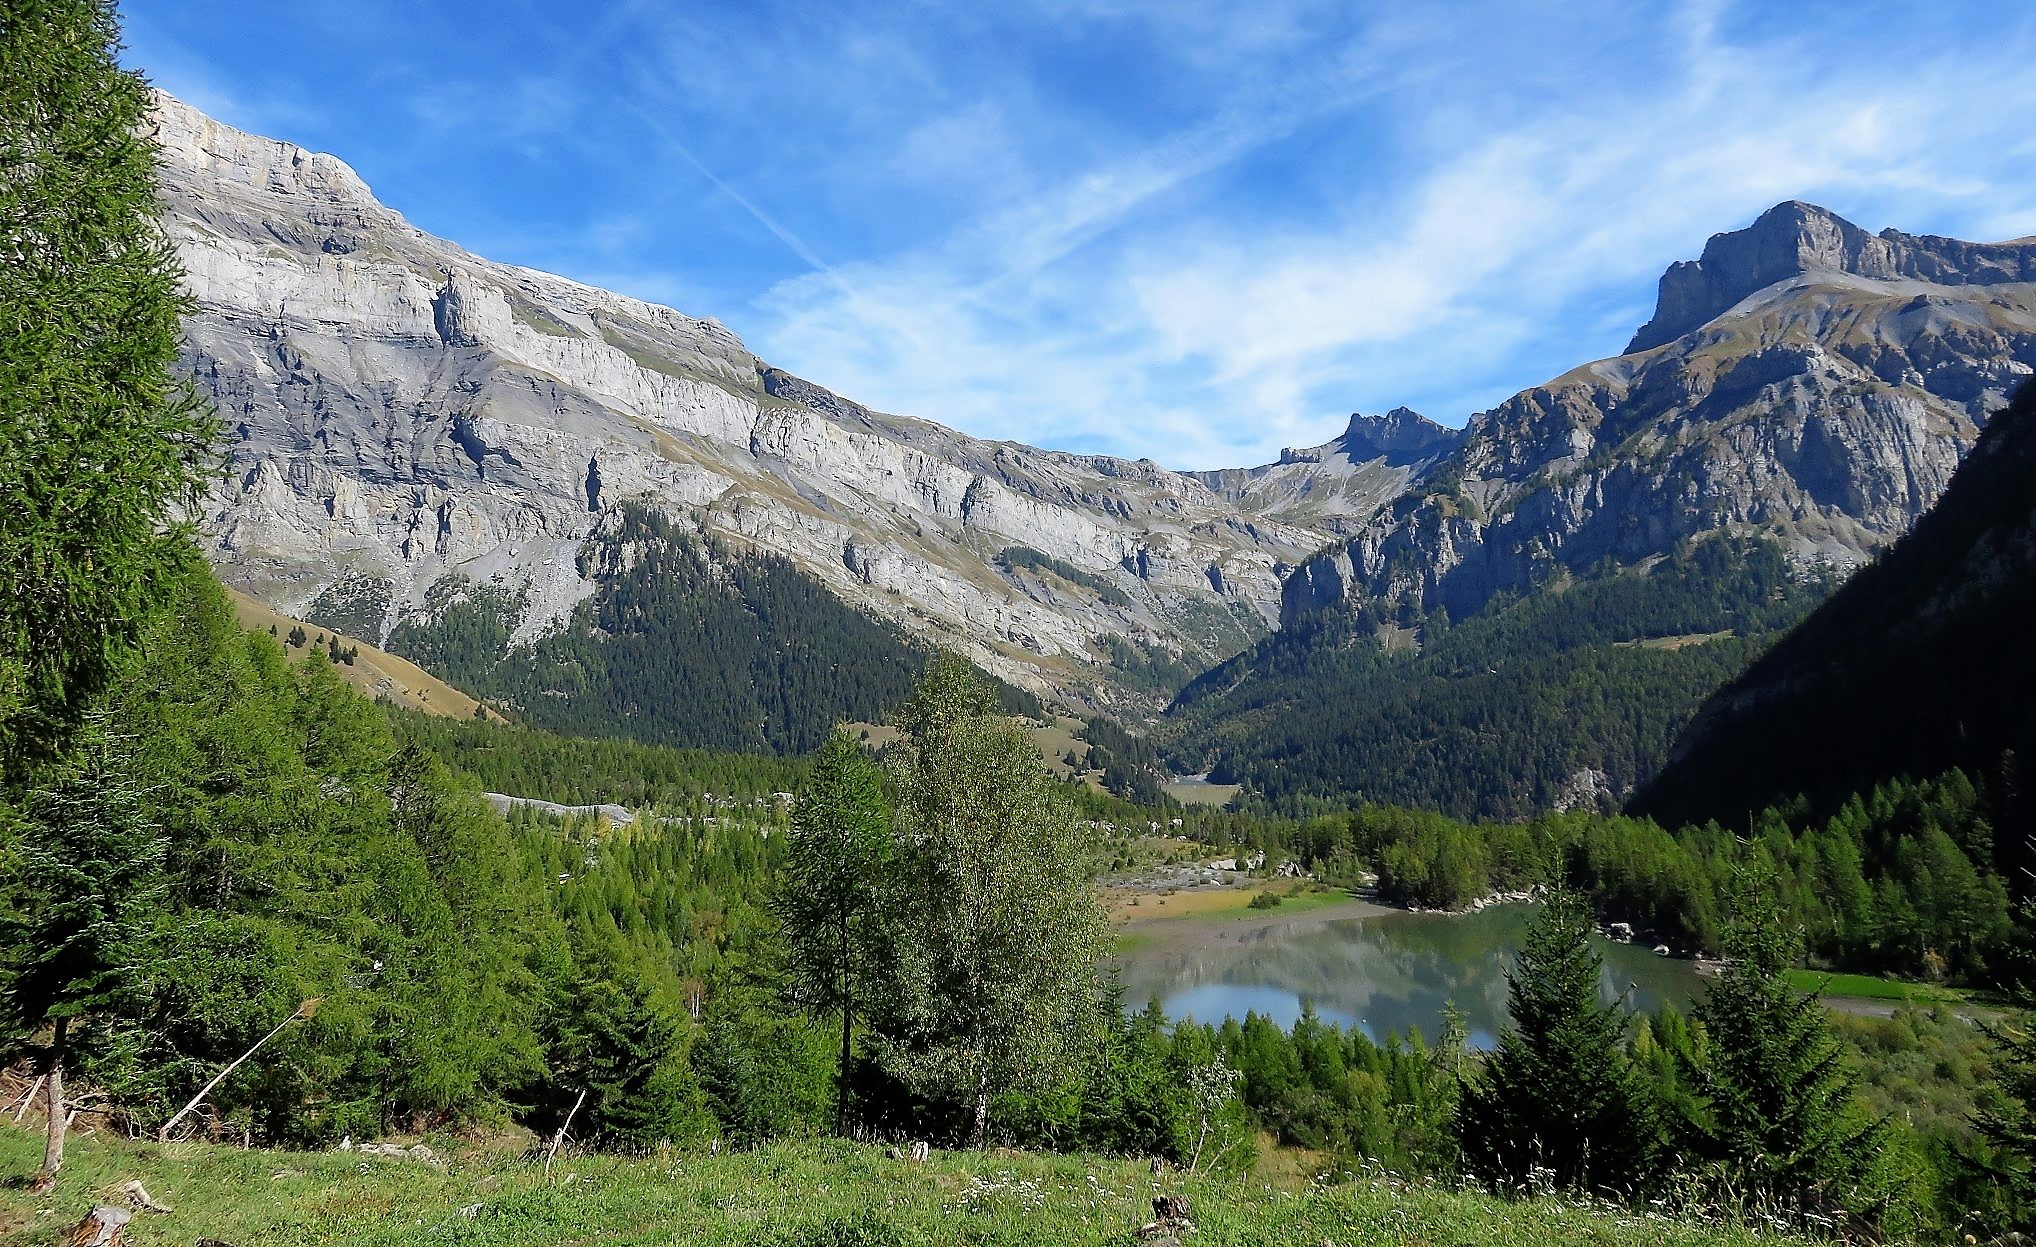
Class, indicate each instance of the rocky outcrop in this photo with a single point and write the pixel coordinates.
(1343, 481)
(1827, 409)
(400, 410)
(1794, 238)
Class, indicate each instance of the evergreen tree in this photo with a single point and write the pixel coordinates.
(81, 895)
(99, 445)
(616, 1044)
(2009, 1121)
(1559, 1093)
(996, 931)
(1775, 1102)
(835, 854)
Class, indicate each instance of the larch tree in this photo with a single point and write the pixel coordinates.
(1559, 1095)
(827, 899)
(101, 446)
(996, 930)
(80, 894)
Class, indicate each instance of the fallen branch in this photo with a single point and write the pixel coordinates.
(560, 1137)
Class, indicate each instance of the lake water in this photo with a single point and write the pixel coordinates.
(1384, 973)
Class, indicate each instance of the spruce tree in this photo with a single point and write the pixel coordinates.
(81, 894)
(1558, 1095)
(100, 445)
(1775, 1107)
(827, 900)
(996, 932)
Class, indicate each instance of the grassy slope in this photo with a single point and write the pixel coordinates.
(374, 672)
(820, 1194)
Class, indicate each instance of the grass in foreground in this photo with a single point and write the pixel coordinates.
(810, 1194)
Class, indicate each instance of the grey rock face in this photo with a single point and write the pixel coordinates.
(401, 410)
(1826, 408)
(1795, 238)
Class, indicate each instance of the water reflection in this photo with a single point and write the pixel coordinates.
(1390, 972)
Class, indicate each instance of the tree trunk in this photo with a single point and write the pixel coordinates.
(981, 1138)
(53, 1090)
(841, 1071)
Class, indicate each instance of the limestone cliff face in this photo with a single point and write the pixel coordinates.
(1827, 406)
(401, 410)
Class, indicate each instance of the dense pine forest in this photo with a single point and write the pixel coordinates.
(685, 643)
(1495, 715)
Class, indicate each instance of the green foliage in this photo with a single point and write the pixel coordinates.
(354, 604)
(1775, 1105)
(1559, 1095)
(614, 1043)
(685, 643)
(100, 445)
(992, 926)
(307, 855)
(578, 770)
(1495, 713)
(1152, 668)
(828, 897)
(1130, 765)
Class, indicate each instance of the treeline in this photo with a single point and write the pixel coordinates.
(1130, 764)
(685, 643)
(1015, 558)
(1493, 716)
(1907, 880)
(580, 770)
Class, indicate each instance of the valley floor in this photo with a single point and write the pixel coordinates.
(810, 1194)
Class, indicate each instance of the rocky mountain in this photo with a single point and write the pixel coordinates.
(1347, 479)
(1535, 609)
(414, 428)
(402, 411)
(1804, 380)
(1919, 664)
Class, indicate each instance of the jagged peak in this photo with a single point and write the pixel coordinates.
(1399, 435)
(1795, 238)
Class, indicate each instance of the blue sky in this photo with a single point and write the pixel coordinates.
(1195, 231)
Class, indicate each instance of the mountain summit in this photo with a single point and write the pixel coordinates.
(1794, 239)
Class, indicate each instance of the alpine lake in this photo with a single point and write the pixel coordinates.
(1384, 973)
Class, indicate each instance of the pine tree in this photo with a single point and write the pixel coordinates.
(100, 445)
(1559, 1094)
(996, 933)
(827, 895)
(81, 894)
(1775, 1105)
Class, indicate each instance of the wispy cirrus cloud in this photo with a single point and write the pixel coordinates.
(1196, 231)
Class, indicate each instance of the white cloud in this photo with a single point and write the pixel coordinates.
(1094, 313)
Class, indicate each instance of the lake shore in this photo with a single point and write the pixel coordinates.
(1215, 917)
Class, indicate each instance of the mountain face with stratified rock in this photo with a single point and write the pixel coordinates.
(1805, 384)
(402, 412)
(414, 430)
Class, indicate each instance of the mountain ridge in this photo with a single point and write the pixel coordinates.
(402, 411)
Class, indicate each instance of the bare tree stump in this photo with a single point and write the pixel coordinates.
(1170, 1207)
(106, 1226)
(918, 1154)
